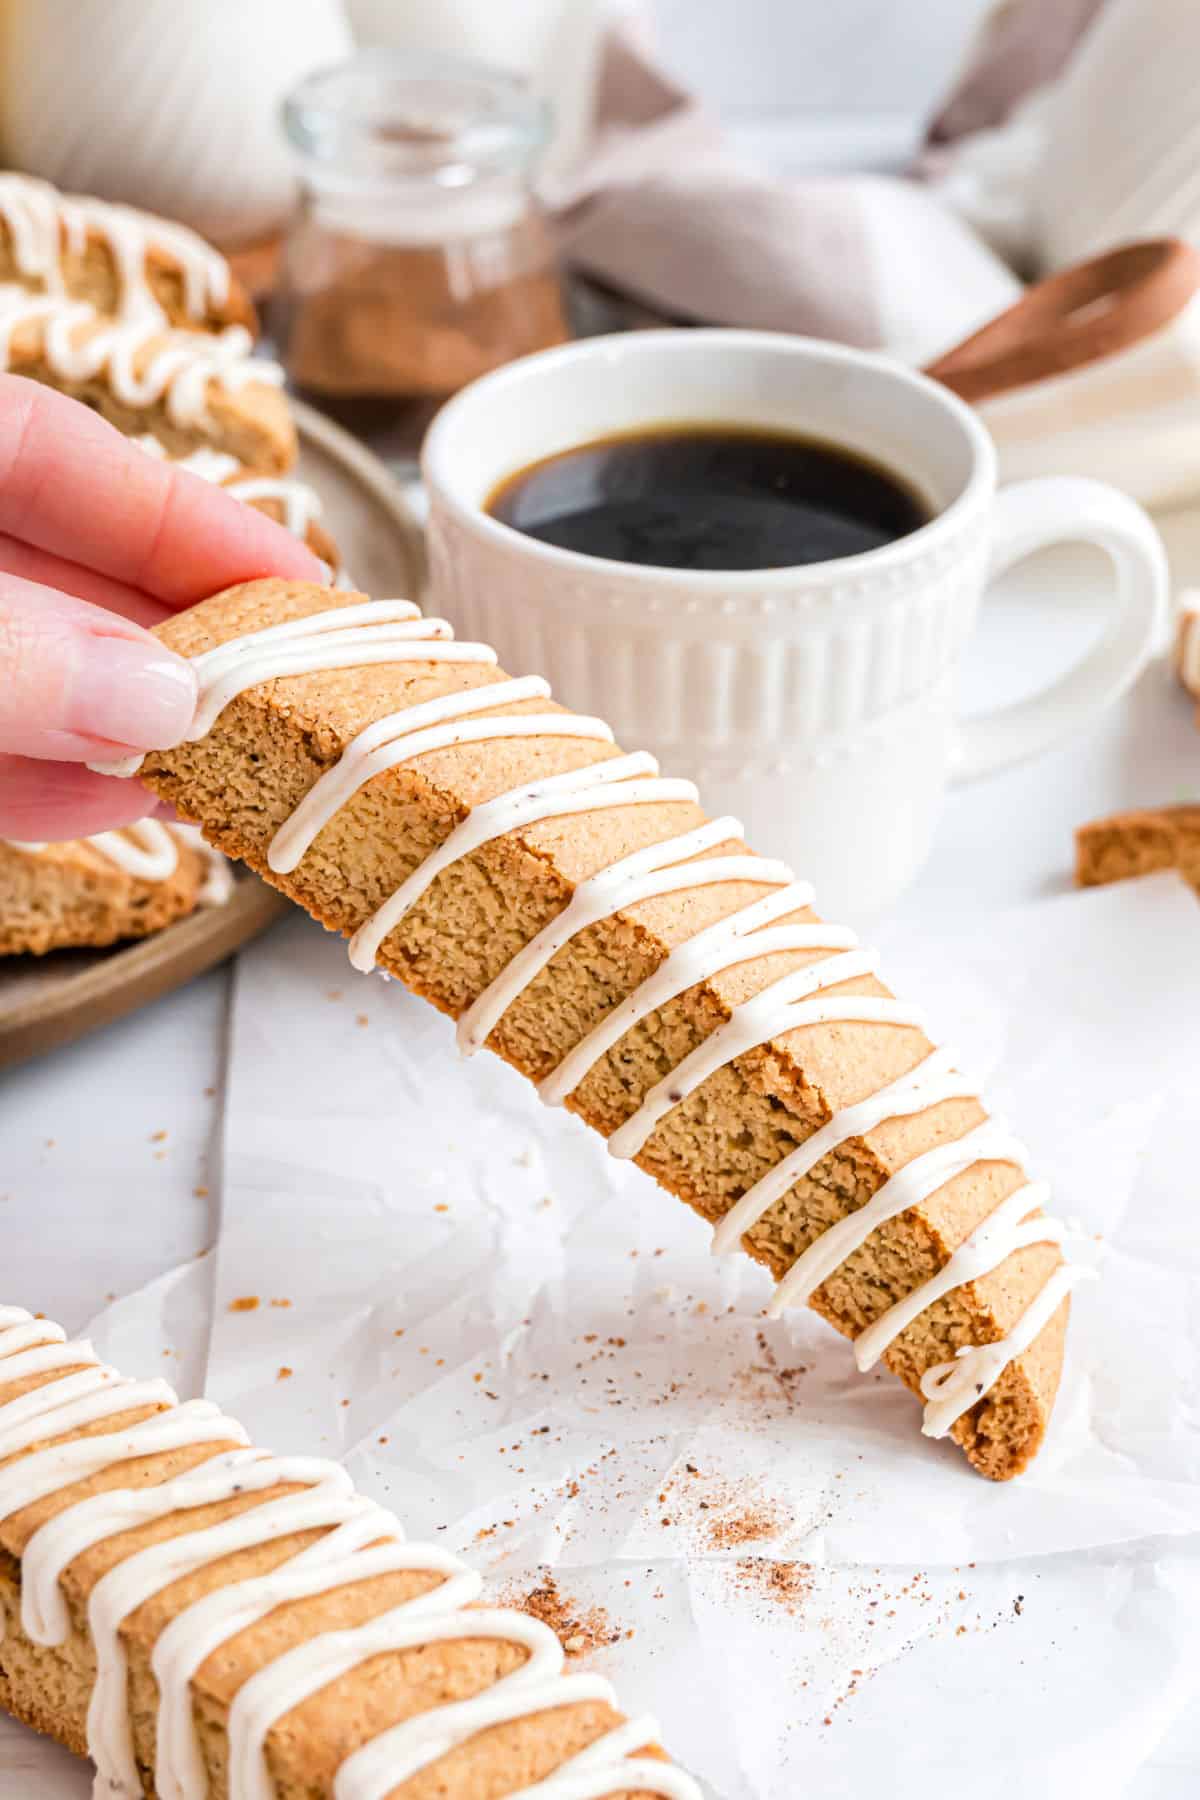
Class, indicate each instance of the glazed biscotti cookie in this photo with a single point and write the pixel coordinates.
(1139, 843)
(92, 892)
(213, 1622)
(185, 388)
(129, 264)
(579, 913)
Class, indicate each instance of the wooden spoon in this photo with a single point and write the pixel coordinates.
(1090, 310)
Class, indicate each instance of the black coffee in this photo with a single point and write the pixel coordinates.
(709, 497)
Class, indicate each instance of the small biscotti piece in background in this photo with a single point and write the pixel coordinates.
(130, 264)
(1139, 843)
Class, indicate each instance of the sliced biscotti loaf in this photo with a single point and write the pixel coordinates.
(216, 1622)
(758, 1108)
(91, 892)
(124, 262)
(188, 389)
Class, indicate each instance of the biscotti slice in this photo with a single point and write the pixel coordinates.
(186, 388)
(214, 1622)
(563, 902)
(1187, 641)
(130, 264)
(87, 893)
(1139, 843)
(290, 503)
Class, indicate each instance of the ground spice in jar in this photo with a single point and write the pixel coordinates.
(418, 258)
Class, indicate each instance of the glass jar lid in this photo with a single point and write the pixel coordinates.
(387, 117)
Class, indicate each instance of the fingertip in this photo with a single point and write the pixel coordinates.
(52, 802)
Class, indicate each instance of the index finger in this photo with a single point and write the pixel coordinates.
(72, 485)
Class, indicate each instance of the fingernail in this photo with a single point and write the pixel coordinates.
(132, 692)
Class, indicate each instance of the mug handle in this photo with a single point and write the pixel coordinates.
(1032, 515)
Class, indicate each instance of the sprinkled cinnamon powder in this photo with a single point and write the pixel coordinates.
(745, 1525)
(579, 1629)
(787, 1584)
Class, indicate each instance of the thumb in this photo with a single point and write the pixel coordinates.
(76, 680)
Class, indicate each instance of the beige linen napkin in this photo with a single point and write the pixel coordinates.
(663, 209)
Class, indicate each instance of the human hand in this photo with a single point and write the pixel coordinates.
(97, 542)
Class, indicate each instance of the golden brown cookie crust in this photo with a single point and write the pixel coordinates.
(49, 1688)
(70, 897)
(269, 747)
(1139, 843)
(253, 422)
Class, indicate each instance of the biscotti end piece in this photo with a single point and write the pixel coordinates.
(265, 752)
(70, 896)
(136, 1440)
(1139, 843)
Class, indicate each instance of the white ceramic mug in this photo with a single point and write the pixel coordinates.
(814, 703)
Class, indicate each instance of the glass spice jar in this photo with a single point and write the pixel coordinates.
(417, 258)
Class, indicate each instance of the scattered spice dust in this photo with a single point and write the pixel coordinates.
(247, 1303)
(745, 1525)
(785, 1584)
(579, 1629)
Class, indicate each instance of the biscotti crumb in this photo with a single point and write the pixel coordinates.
(247, 1303)
(1139, 843)
(579, 1629)
(283, 1373)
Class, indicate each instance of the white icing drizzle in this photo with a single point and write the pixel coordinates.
(908, 1187)
(738, 938)
(399, 738)
(212, 465)
(813, 994)
(141, 361)
(41, 222)
(148, 851)
(594, 788)
(931, 1082)
(951, 1388)
(301, 504)
(785, 1005)
(1008, 1229)
(1187, 641)
(590, 1775)
(379, 631)
(648, 874)
(361, 1543)
(145, 850)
